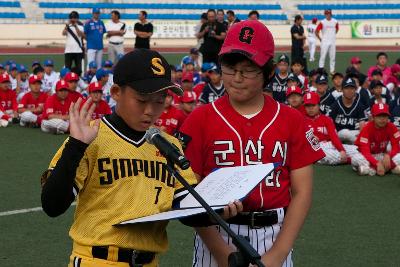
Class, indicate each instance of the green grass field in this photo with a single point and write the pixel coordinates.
(342, 59)
(354, 220)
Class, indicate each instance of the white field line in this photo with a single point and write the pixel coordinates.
(22, 211)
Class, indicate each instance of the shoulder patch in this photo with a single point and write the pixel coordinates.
(312, 140)
(364, 140)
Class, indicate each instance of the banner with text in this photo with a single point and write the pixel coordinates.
(164, 29)
(375, 29)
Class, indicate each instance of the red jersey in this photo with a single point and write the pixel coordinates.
(372, 140)
(29, 101)
(198, 89)
(180, 116)
(216, 136)
(102, 109)
(324, 129)
(74, 96)
(8, 100)
(54, 106)
(301, 109)
(168, 120)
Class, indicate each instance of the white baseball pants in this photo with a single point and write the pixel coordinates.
(327, 47)
(261, 239)
(55, 126)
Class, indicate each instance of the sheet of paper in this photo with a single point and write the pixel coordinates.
(168, 215)
(227, 184)
(217, 189)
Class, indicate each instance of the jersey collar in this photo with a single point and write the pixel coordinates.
(119, 126)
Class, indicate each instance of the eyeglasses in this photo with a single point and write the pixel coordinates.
(244, 73)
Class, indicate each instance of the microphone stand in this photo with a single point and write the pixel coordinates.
(245, 254)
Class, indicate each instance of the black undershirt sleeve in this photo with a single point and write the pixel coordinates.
(57, 192)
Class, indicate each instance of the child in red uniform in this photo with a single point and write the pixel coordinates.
(8, 98)
(324, 129)
(187, 85)
(96, 93)
(56, 110)
(245, 127)
(167, 122)
(294, 96)
(188, 104)
(72, 79)
(32, 103)
(373, 142)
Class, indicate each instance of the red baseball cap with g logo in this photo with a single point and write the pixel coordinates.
(379, 109)
(311, 98)
(294, 90)
(61, 85)
(4, 78)
(250, 38)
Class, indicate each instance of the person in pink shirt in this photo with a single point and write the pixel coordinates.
(381, 64)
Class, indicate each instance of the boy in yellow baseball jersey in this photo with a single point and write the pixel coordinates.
(114, 174)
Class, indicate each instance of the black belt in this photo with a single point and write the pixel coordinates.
(256, 219)
(131, 256)
(116, 43)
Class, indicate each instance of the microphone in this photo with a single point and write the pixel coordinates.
(168, 150)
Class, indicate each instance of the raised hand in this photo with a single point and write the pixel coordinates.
(79, 121)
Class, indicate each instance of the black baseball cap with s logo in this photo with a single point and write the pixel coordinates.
(146, 71)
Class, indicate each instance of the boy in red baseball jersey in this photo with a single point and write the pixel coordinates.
(8, 98)
(32, 103)
(96, 93)
(56, 110)
(324, 129)
(167, 122)
(245, 127)
(188, 104)
(373, 141)
(294, 96)
(72, 80)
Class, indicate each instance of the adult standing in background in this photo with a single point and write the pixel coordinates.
(231, 18)
(143, 30)
(94, 30)
(329, 28)
(253, 15)
(214, 34)
(221, 18)
(311, 38)
(74, 46)
(115, 32)
(298, 39)
(203, 19)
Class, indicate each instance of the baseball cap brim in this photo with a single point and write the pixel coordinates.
(383, 112)
(155, 85)
(310, 102)
(253, 55)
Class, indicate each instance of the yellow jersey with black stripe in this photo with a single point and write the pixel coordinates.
(118, 179)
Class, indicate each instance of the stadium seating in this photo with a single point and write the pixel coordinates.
(159, 6)
(302, 7)
(159, 11)
(11, 10)
(351, 11)
(10, 4)
(56, 16)
(12, 15)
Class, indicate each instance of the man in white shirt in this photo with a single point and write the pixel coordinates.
(74, 47)
(50, 77)
(115, 32)
(329, 28)
(311, 38)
